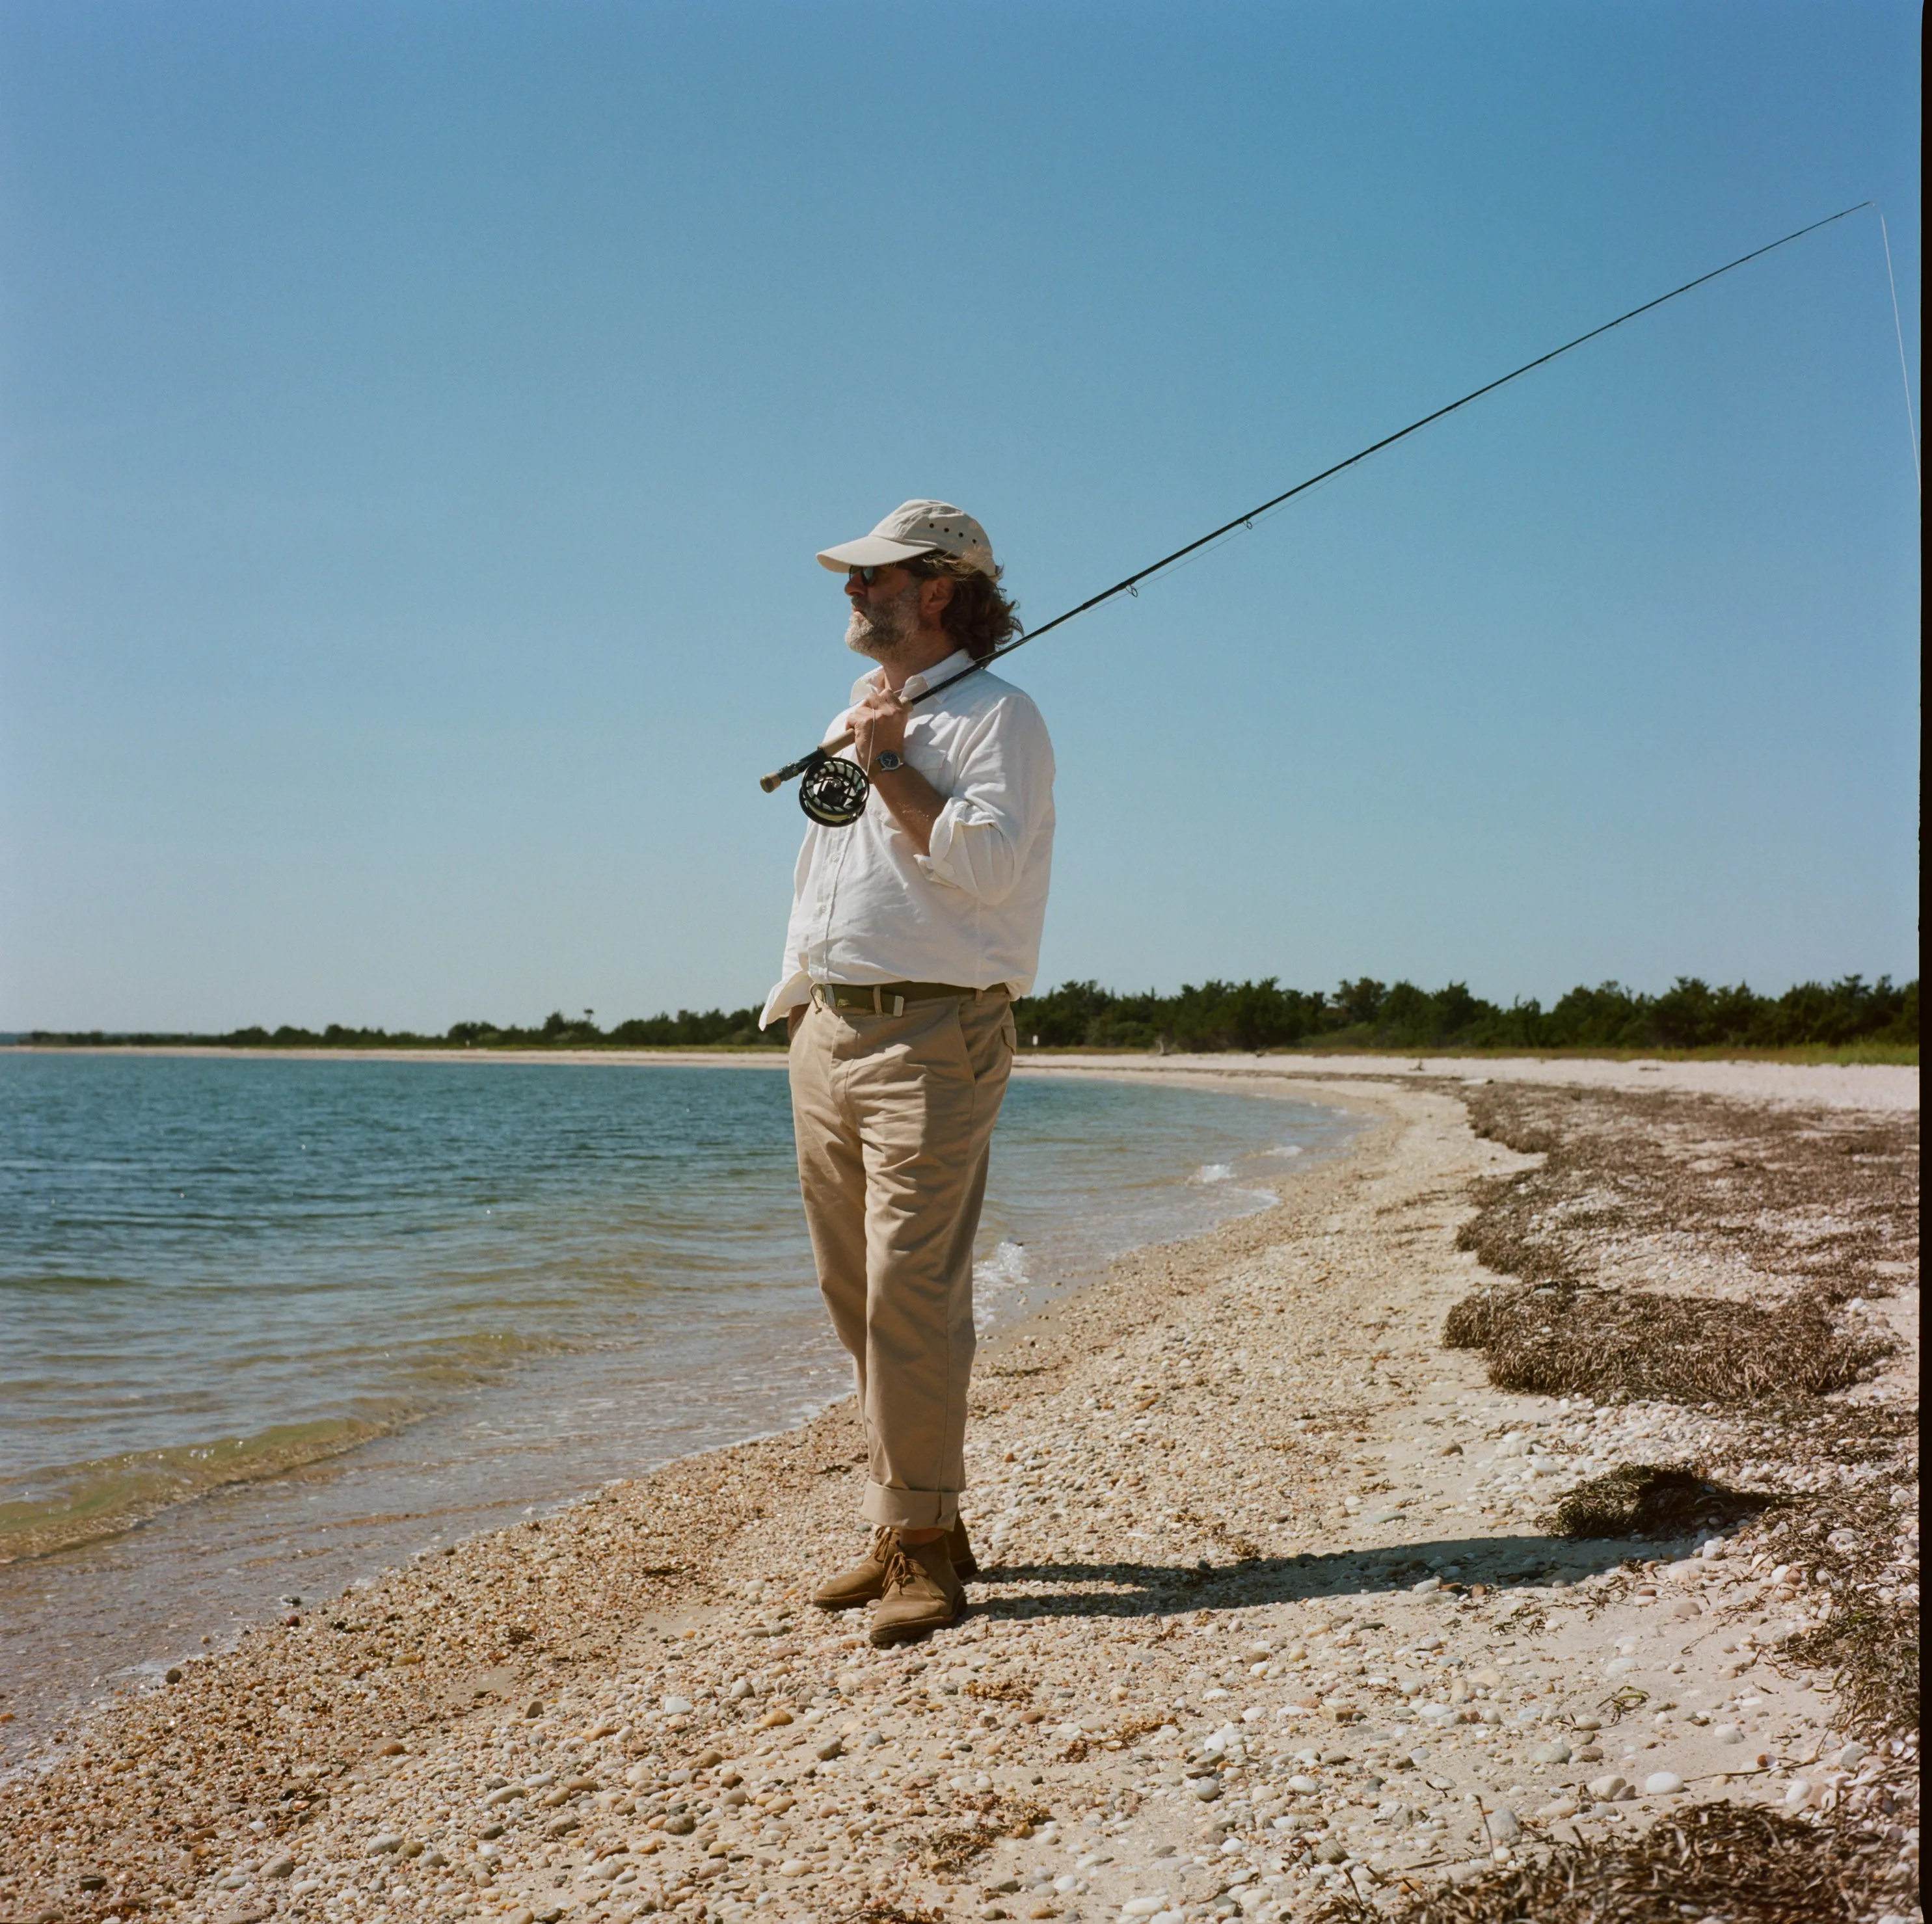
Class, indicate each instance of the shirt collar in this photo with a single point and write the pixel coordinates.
(955, 663)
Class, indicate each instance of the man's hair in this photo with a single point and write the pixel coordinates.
(978, 617)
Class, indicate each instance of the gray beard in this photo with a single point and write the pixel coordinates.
(887, 630)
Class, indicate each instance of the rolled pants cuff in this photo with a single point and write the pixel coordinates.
(910, 1509)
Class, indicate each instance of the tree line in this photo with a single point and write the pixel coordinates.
(1217, 1015)
(1367, 1014)
(713, 1028)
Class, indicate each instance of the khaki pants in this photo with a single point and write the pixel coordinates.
(894, 1116)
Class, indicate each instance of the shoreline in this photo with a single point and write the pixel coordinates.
(249, 1504)
(1609, 1067)
(1881, 1086)
(1288, 1339)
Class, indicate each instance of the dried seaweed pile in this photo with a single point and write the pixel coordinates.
(1720, 1863)
(1863, 1545)
(1816, 1209)
(1829, 1201)
(1607, 1344)
(1652, 1500)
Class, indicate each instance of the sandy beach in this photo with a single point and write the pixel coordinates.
(1274, 1621)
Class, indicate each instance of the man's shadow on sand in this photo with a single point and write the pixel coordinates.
(1501, 1563)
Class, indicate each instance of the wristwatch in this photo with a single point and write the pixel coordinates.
(889, 762)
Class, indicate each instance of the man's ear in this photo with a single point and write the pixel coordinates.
(935, 596)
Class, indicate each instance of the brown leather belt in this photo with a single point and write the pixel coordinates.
(882, 998)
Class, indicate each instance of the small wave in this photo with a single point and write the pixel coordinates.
(998, 1280)
(62, 1285)
(1006, 1269)
(81, 1503)
(1289, 1149)
(1215, 1172)
(458, 1362)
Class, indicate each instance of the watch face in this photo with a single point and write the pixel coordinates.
(889, 761)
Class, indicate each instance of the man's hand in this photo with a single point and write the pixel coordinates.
(878, 723)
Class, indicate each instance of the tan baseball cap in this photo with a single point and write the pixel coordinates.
(917, 528)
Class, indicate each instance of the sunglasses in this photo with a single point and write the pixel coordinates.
(868, 575)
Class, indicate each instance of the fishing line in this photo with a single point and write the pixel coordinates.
(834, 790)
(1904, 368)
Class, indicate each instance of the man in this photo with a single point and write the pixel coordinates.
(911, 932)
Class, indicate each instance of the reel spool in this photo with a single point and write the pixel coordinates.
(834, 791)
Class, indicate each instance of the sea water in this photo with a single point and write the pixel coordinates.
(269, 1324)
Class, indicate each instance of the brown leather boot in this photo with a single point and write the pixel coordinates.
(921, 1593)
(959, 1552)
(864, 1583)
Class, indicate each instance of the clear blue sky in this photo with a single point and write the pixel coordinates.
(417, 420)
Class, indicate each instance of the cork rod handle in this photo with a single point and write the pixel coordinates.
(779, 777)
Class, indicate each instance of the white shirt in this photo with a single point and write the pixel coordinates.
(867, 907)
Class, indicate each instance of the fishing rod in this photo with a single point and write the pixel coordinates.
(834, 790)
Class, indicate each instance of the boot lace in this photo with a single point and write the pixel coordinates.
(901, 1572)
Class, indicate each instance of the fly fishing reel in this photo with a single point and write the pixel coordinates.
(833, 791)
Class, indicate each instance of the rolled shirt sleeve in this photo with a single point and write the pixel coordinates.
(985, 833)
